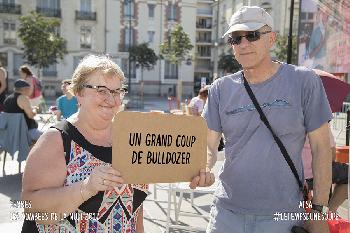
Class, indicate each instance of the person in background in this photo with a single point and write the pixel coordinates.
(35, 95)
(69, 169)
(197, 103)
(339, 174)
(18, 102)
(67, 104)
(3, 86)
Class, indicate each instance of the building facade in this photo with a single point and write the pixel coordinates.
(105, 27)
(112, 26)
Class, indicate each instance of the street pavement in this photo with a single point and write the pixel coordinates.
(155, 209)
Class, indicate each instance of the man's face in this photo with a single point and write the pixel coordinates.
(64, 87)
(251, 53)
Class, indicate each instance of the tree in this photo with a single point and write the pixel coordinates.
(228, 63)
(175, 49)
(144, 57)
(281, 48)
(42, 46)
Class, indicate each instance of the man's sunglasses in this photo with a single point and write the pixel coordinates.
(251, 36)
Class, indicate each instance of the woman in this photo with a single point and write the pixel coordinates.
(68, 170)
(35, 89)
(3, 86)
(197, 103)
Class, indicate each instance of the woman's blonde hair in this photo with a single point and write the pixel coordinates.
(91, 64)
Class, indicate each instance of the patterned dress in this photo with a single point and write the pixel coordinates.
(109, 211)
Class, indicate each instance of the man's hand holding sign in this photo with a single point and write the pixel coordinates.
(160, 148)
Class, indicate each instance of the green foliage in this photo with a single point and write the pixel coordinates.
(42, 47)
(143, 55)
(229, 64)
(281, 48)
(177, 46)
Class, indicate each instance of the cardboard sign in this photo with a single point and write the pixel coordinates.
(158, 148)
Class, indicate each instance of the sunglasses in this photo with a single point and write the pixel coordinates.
(251, 36)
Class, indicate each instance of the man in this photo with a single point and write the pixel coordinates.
(67, 104)
(256, 181)
(18, 102)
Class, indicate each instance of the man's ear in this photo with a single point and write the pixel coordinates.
(273, 38)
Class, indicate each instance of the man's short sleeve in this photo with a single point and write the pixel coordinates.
(211, 109)
(315, 103)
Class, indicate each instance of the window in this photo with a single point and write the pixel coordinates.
(128, 38)
(85, 5)
(151, 36)
(172, 15)
(51, 70)
(151, 8)
(10, 33)
(8, 2)
(129, 8)
(49, 4)
(170, 70)
(76, 61)
(204, 51)
(17, 62)
(85, 37)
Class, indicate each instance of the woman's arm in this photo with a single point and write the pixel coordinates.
(45, 173)
(44, 177)
(2, 80)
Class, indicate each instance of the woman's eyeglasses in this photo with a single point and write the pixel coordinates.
(105, 92)
(250, 36)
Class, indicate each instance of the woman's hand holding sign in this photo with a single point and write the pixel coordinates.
(102, 178)
(204, 179)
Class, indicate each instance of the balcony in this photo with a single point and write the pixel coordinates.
(85, 15)
(50, 73)
(203, 26)
(10, 8)
(170, 76)
(49, 12)
(85, 45)
(10, 41)
(203, 41)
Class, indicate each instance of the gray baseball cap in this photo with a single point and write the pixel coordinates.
(249, 18)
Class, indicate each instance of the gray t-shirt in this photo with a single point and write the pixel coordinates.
(255, 178)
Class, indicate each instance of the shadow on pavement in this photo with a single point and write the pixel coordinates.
(11, 185)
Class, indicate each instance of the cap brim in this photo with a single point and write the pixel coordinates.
(244, 27)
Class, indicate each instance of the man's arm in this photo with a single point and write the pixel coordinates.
(205, 177)
(322, 170)
(213, 141)
(23, 103)
(321, 164)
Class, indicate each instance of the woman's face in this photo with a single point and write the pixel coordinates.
(99, 103)
(22, 74)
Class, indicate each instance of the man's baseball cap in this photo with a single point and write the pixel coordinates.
(21, 83)
(249, 18)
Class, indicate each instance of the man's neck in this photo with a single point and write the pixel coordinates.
(262, 72)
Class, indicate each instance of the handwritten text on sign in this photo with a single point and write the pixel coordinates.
(158, 148)
(161, 140)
